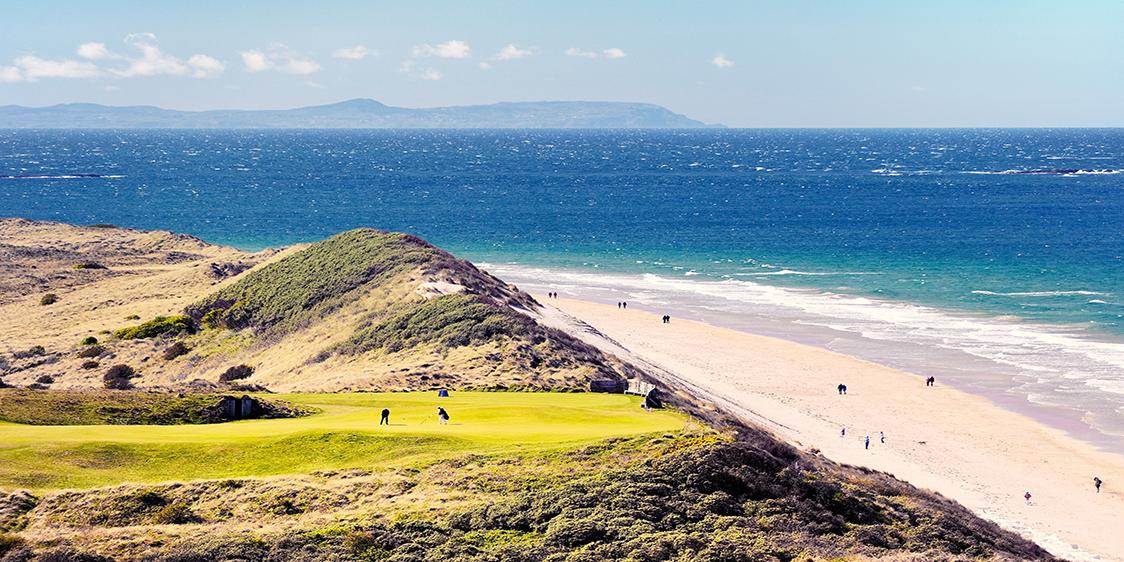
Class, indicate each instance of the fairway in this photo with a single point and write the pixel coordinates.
(343, 434)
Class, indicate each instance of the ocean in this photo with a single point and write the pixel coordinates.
(992, 259)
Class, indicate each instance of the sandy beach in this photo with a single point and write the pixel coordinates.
(958, 444)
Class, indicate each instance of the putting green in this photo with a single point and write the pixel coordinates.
(344, 434)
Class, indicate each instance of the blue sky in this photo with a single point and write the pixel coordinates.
(748, 64)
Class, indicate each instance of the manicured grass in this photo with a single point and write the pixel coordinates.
(345, 434)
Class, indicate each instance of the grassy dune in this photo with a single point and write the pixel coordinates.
(344, 434)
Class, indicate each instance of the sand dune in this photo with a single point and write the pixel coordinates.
(957, 444)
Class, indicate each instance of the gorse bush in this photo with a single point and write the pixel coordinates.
(89, 265)
(175, 350)
(89, 340)
(91, 351)
(159, 326)
(33, 351)
(49, 298)
(213, 319)
(237, 372)
(448, 320)
(118, 377)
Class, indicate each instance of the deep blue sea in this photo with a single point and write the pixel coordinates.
(1002, 249)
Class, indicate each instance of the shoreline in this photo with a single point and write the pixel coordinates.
(1017, 375)
(957, 443)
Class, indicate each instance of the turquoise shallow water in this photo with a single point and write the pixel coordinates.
(1003, 247)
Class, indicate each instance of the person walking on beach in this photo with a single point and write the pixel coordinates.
(385, 419)
(1027, 497)
(442, 416)
(843, 432)
(1097, 483)
(867, 443)
(624, 305)
(931, 381)
(842, 388)
(618, 304)
(881, 437)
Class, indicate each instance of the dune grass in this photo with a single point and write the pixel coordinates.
(344, 434)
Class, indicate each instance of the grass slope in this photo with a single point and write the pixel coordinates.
(384, 311)
(344, 434)
(315, 281)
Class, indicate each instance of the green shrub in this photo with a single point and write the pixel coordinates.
(213, 319)
(89, 265)
(91, 351)
(158, 326)
(89, 340)
(90, 364)
(175, 350)
(132, 317)
(45, 379)
(237, 372)
(448, 320)
(49, 298)
(118, 377)
(175, 514)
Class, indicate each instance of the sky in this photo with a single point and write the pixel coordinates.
(861, 63)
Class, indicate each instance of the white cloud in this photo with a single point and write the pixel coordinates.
(430, 74)
(358, 52)
(204, 66)
(576, 52)
(312, 84)
(611, 53)
(721, 61)
(30, 68)
(454, 49)
(152, 61)
(278, 58)
(10, 74)
(301, 66)
(93, 51)
(511, 52)
(256, 61)
(484, 66)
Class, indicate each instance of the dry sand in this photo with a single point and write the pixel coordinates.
(960, 445)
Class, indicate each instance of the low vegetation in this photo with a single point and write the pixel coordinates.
(175, 350)
(119, 377)
(237, 372)
(89, 340)
(93, 350)
(448, 321)
(33, 351)
(48, 299)
(89, 265)
(91, 407)
(314, 281)
(159, 326)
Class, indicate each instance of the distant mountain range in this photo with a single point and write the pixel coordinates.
(356, 113)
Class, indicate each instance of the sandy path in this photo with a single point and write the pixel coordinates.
(939, 438)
